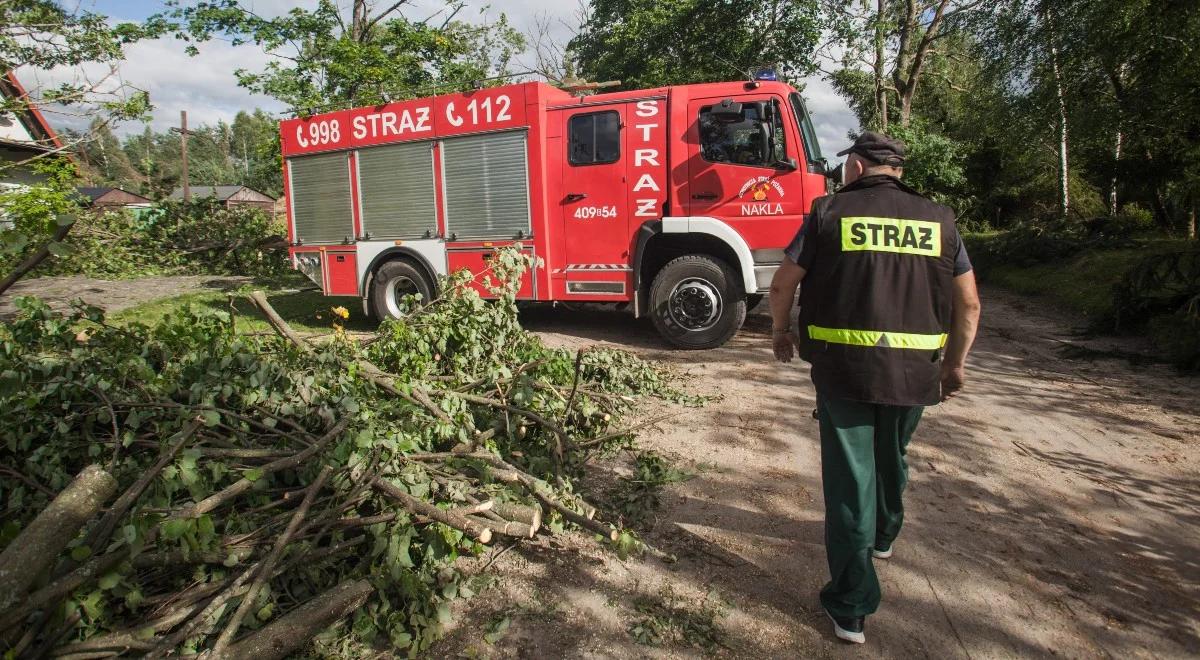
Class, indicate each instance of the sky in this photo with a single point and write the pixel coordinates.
(205, 85)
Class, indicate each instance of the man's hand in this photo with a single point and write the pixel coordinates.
(952, 380)
(784, 345)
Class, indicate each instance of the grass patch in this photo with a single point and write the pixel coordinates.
(1082, 283)
(306, 311)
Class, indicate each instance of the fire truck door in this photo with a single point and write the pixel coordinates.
(742, 167)
(594, 193)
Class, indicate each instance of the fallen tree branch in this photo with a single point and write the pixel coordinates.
(505, 527)
(37, 547)
(260, 301)
(99, 535)
(293, 630)
(422, 508)
(268, 564)
(625, 431)
(35, 259)
(62, 587)
(583, 521)
(242, 485)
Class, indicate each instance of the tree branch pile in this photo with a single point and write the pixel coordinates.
(183, 488)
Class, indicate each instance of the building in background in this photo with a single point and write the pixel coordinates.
(23, 135)
(231, 196)
(100, 199)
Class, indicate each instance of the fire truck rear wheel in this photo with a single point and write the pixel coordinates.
(696, 302)
(393, 281)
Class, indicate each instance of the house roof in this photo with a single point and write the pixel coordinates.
(94, 193)
(45, 139)
(222, 193)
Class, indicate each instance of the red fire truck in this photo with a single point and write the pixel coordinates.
(677, 201)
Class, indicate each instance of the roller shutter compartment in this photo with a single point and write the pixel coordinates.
(320, 187)
(397, 191)
(487, 186)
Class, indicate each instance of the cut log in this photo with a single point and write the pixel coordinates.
(505, 528)
(478, 507)
(296, 628)
(530, 515)
(37, 547)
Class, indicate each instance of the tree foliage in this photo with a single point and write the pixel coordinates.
(326, 60)
(244, 152)
(44, 35)
(645, 43)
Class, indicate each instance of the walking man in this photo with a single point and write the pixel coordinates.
(888, 311)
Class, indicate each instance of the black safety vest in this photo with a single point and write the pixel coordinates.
(875, 304)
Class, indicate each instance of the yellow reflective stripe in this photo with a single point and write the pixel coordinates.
(919, 342)
(919, 237)
(852, 337)
(874, 337)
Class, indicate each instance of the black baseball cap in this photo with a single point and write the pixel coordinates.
(878, 148)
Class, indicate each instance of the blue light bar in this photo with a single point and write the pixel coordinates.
(766, 74)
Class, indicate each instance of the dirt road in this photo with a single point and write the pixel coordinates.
(1054, 509)
(112, 295)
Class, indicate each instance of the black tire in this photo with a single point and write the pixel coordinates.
(392, 281)
(753, 300)
(697, 302)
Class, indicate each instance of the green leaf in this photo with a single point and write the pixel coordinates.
(60, 249)
(109, 580)
(496, 630)
(253, 474)
(80, 552)
(265, 611)
(211, 418)
(175, 529)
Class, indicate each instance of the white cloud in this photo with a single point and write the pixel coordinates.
(831, 117)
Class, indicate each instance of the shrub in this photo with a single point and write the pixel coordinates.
(200, 236)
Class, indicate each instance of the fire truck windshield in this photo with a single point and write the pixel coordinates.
(812, 148)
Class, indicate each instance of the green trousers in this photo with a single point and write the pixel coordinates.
(863, 475)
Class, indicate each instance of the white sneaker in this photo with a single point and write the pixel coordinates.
(882, 554)
(849, 629)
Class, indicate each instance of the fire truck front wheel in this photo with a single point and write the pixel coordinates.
(696, 302)
(393, 281)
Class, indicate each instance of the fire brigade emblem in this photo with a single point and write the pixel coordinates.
(761, 196)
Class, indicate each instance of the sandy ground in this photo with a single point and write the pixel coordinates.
(112, 295)
(1053, 509)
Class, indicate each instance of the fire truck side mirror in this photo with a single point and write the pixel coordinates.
(834, 174)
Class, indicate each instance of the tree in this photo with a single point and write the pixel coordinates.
(43, 35)
(895, 41)
(324, 60)
(645, 43)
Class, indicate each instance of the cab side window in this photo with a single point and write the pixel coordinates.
(753, 140)
(594, 138)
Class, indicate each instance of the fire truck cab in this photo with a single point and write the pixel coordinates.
(676, 200)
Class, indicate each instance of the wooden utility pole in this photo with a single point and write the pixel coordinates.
(183, 136)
